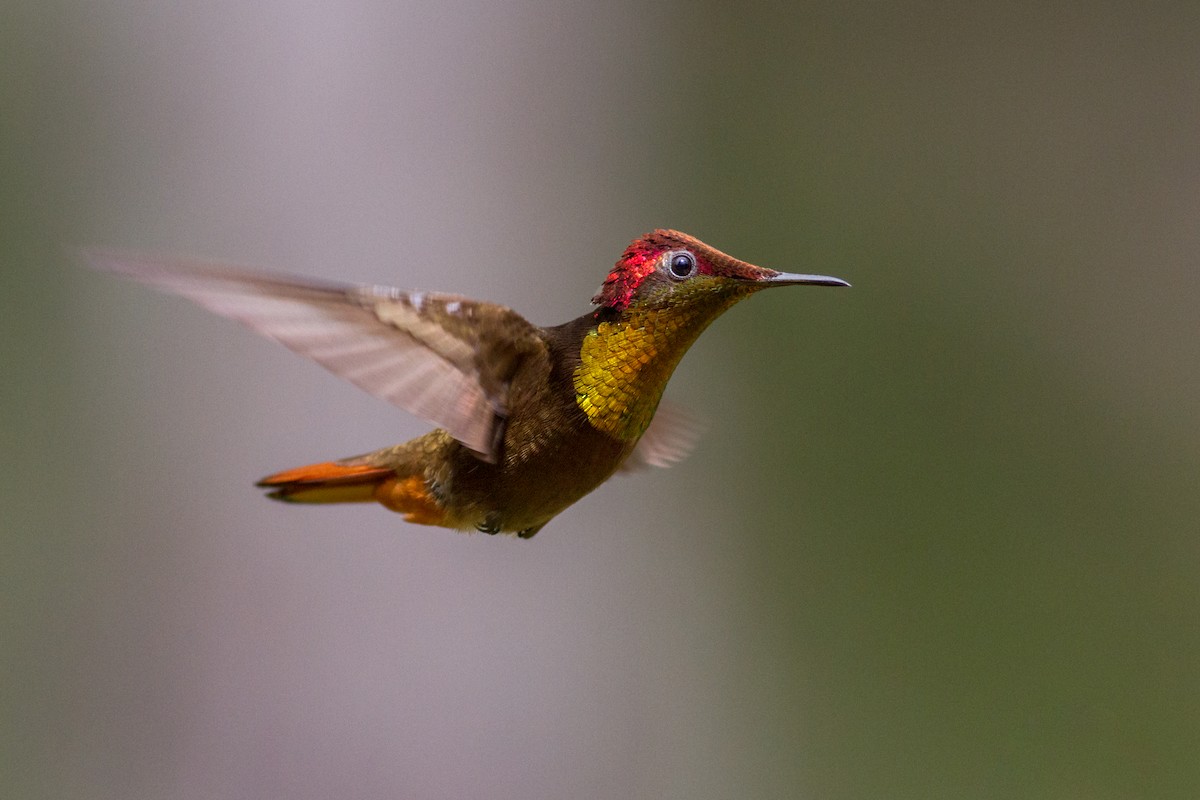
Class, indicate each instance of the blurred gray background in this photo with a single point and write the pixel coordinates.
(940, 541)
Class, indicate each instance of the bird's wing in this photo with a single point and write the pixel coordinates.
(672, 434)
(421, 351)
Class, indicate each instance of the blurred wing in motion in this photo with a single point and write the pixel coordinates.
(672, 435)
(420, 351)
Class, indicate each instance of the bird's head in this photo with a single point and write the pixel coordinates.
(667, 268)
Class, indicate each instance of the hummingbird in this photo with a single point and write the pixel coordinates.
(530, 419)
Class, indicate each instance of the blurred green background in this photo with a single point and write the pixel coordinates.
(940, 541)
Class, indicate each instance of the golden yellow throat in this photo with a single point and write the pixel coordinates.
(611, 379)
(625, 364)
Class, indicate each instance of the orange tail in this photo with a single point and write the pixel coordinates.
(331, 482)
(326, 483)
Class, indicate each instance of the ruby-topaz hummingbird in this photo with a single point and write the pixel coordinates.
(531, 418)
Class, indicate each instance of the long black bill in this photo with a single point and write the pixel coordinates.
(794, 279)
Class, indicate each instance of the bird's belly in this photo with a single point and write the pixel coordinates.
(532, 487)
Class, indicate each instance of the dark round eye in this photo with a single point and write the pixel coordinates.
(682, 265)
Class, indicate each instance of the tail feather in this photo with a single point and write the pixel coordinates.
(334, 482)
(327, 482)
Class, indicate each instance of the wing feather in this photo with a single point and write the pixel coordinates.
(672, 435)
(421, 351)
